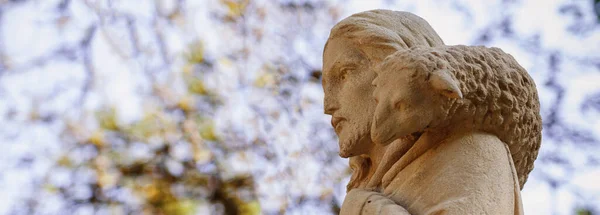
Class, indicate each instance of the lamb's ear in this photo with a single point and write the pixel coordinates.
(443, 82)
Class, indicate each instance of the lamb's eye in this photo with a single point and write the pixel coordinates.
(398, 105)
(374, 82)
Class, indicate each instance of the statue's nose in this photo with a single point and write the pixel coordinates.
(329, 110)
(376, 121)
(330, 104)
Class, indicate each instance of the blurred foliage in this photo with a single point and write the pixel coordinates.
(172, 158)
(596, 6)
(584, 211)
(139, 159)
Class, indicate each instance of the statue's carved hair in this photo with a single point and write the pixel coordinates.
(360, 165)
(386, 29)
(499, 96)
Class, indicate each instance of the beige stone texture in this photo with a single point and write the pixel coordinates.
(428, 128)
(456, 89)
(464, 174)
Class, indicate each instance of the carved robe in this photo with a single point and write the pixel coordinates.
(471, 173)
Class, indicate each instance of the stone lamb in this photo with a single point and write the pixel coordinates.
(453, 89)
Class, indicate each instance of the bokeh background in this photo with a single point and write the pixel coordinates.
(216, 107)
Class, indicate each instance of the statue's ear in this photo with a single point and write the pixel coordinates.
(442, 82)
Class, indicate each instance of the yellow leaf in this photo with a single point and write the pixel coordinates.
(144, 128)
(250, 208)
(64, 161)
(181, 207)
(186, 103)
(225, 62)
(107, 179)
(107, 119)
(207, 131)
(50, 188)
(196, 52)
(196, 86)
(202, 156)
(236, 7)
(97, 138)
(152, 192)
(266, 79)
(102, 162)
(188, 69)
(158, 192)
(153, 125)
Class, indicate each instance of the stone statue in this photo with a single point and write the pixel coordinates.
(428, 128)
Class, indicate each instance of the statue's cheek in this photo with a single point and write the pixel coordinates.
(409, 120)
(421, 119)
(380, 114)
(383, 119)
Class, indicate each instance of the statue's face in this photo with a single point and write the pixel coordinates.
(347, 78)
(403, 104)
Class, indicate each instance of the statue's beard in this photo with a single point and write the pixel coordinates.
(354, 138)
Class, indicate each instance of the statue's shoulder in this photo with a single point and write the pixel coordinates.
(473, 145)
(463, 173)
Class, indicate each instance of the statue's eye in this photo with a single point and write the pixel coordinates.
(376, 100)
(344, 72)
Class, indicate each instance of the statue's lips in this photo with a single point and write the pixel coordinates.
(335, 121)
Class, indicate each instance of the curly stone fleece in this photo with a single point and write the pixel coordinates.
(499, 97)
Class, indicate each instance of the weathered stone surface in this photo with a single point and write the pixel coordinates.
(429, 128)
(456, 89)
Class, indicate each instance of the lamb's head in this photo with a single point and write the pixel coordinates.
(408, 97)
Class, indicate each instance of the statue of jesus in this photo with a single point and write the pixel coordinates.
(428, 128)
